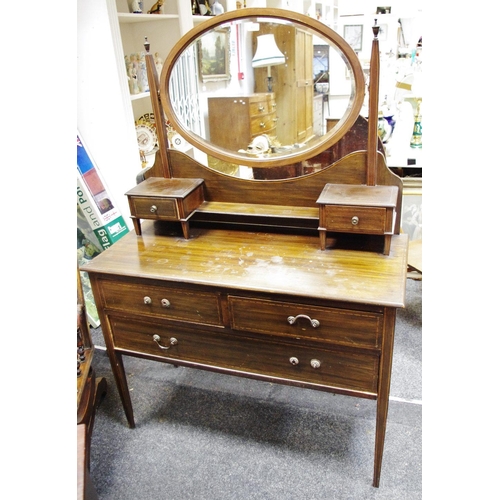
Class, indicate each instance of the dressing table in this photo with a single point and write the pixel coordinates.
(248, 290)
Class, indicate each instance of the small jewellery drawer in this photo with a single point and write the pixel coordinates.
(300, 321)
(162, 301)
(375, 220)
(150, 208)
(346, 370)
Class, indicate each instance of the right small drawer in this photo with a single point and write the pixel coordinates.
(302, 321)
(363, 220)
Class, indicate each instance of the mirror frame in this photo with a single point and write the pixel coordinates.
(328, 140)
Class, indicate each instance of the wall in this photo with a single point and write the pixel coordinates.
(101, 113)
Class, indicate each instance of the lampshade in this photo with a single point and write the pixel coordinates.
(267, 53)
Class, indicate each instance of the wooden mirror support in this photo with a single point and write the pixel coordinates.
(322, 200)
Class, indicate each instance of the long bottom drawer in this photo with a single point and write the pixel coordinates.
(303, 363)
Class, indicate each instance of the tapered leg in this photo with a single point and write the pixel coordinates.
(185, 229)
(322, 238)
(137, 225)
(116, 361)
(384, 386)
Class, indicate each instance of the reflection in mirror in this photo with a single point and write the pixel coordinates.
(257, 92)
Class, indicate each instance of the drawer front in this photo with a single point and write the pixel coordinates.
(352, 371)
(263, 124)
(162, 301)
(151, 208)
(339, 326)
(259, 108)
(367, 219)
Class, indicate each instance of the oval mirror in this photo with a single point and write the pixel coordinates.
(251, 87)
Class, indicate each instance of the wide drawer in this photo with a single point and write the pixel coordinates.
(162, 301)
(339, 326)
(150, 208)
(344, 370)
(374, 220)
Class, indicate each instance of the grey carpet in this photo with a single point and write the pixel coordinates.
(206, 436)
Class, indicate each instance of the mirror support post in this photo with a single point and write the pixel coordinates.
(371, 168)
(154, 92)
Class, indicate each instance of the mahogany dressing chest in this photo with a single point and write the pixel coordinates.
(247, 289)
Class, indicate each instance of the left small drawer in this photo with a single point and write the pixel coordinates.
(152, 208)
(162, 301)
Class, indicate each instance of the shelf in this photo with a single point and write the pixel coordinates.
(199, 19)
(142, 95)
(126, 18)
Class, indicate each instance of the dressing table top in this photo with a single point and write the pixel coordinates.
(287, 264)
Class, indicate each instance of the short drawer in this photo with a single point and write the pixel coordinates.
(263, 124)
(151, 208)
(365, 220)
(345, 370)
(162, 301)
(339, 326)
(259, 107)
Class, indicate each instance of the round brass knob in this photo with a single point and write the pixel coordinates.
(153, 209)
(294, 361)
(147, 300)
(165, 303)
(354, 221)
(315, 363)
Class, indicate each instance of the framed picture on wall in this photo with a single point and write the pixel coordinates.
(213, 55)
(353, 35)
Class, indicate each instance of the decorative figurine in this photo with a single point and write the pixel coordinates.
(217, 8)
(133, 82)
(156, 8)
(135, 6)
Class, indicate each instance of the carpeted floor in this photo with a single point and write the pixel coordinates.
(205, 436)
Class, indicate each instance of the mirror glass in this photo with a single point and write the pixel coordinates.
(261, 90)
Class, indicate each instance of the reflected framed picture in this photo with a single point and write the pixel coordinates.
(213, 55)
(353, 35)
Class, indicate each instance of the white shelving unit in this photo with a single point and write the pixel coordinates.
(162, 32)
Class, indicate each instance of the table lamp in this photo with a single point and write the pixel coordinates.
(267, 54)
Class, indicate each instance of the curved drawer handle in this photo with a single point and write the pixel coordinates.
(293, 319)
(172, 340)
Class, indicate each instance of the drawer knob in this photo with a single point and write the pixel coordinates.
(294, 361)
(315, 363)
(262, 125)
(147, 300)
(293, 319)
(153, 209)
(165, 303)
(355, 220)
(261, 108)
(172, 341)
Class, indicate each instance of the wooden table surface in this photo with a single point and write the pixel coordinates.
(257, 261)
